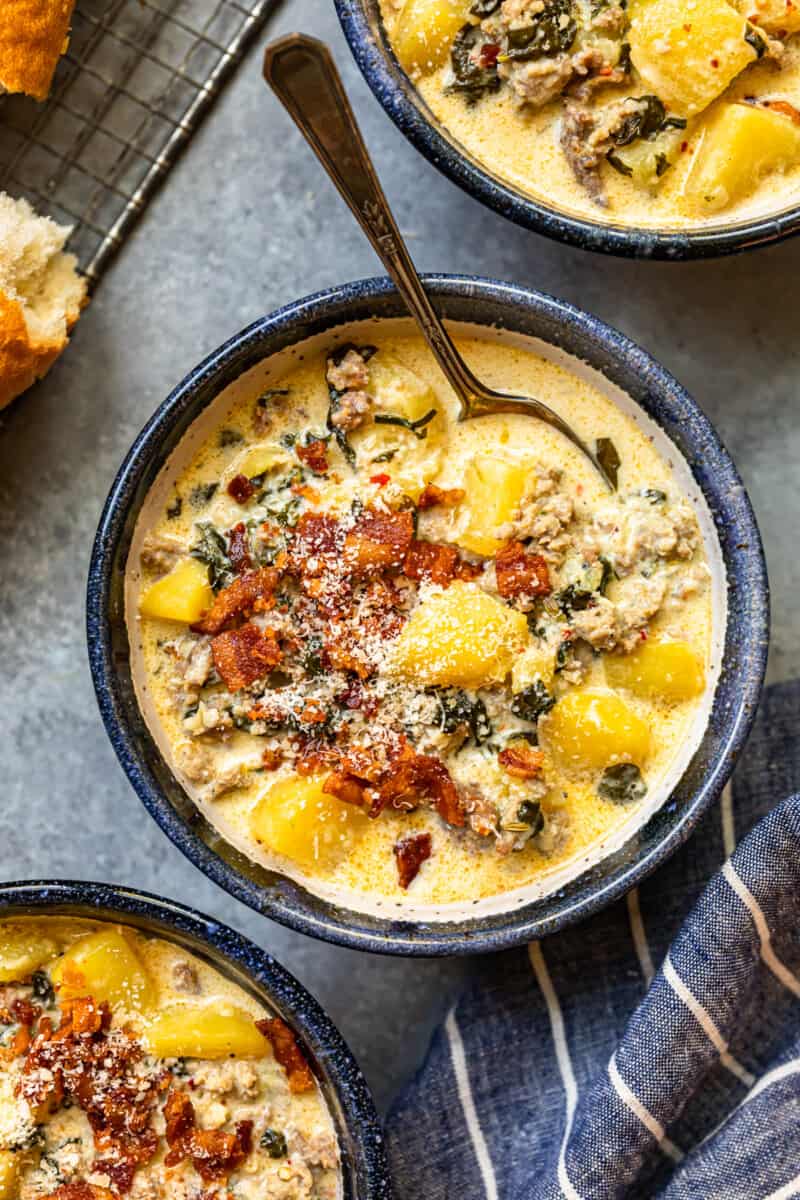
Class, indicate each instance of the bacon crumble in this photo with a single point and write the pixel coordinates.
(214, 1154)
(431, 496)
(240, 489)
(252, 592)
(287, 1053)
(521, 576)
(411, 852)
(314, 456)
(244, 655)
(521, 760)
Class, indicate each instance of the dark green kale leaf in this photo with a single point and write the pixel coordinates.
(609, 459)
(622, 783)
(202, 494)
(417, 427)
(230, 437)
(551, 32)
(485, 8)
(212, 550)
(457, 709)
(471, 79)
(530, 813)
(274, 1142)
(532, 702)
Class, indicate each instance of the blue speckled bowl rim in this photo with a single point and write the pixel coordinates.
(400, 99)
(365, 1169)
(488, 302)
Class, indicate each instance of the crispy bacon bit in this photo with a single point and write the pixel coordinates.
(244, 655)
(344, 787)
(214, 1154)
(433, 495)
(521, 760)
(287, 1053)
(272, 759)
(419, 777)
(378, 541)
(239, 549)
(240, 489)
(521, 576)
(316, 537)
(25, 1013)
(252, 592)
(313, 456)
(80, 1191)
(81, 1061)
(381, 479)
(411, 853)
(488, 53)
(435, 563)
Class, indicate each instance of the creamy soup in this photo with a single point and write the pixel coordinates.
(414, 662)
(128, 1067)
(654, 113)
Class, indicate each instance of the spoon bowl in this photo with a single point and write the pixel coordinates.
(302, 73)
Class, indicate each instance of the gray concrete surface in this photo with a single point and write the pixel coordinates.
(248, 222)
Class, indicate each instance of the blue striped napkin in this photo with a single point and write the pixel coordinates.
(653, 1051)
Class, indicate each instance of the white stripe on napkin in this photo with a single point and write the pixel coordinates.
(703, 1018)
(562, 1058)
(645, 1116)
(640, 937)
(769, 956)
(728, 826)
(459, 1060)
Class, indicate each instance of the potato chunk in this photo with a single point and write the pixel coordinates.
(589, 730)
(461, 637)
(106, 966)
(688, 51)
(493, 490)
(22, 951)
(670, 670)
(300, 821)
(741, 144)
(182, 595)
(424, 31)
(259, 460)
(204, 1031)
(398, 390)
(9, 1174)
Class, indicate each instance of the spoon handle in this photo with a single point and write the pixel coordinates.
(302, 73)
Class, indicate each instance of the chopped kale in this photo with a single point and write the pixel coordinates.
(614, 161)
(530, 813)
(471, 79)
(284, 512)
(274, 1142)
(339, 434)
(457, 709)
(609, 459)
(288, 440)
(338, 355)
(213, 551)
(622, 783)
(552, 31)
(174, 510)
(574, 599)
(484, 8)
(532, 702)
(756, 40)
(417, 427)
(34, 1141)
(42, 987)
(624, 61)
(200, 495)
(563, 655)
(387, 456)
(662, 165)
(648, 119)
(655, 495)
(599, 575)
(312, 662)
(230, 437)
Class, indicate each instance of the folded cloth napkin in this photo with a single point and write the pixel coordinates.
(647, 1052)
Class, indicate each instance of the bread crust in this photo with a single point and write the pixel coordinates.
(22, 361)
(33, 36)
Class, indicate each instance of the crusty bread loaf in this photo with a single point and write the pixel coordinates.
(33, 36)
(41, 295)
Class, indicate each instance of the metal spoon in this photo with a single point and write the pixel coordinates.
(302, 73)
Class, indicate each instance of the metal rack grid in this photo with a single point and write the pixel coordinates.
(137, 78)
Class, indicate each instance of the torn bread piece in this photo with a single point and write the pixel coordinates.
(33, 36)
(41, 295)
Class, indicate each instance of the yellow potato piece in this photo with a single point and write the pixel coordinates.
(688, 51)
(778, 17)
(532, 665)
(182, 595)
(300, 821)
(258, 460)
(398, 390)
(740, 145)
(670, 670)
(9, 1175)
(106, 966)
(460, 637)
(424, 32)
(493, 492)
(22, 952)
(204, 1031)
(589, 730)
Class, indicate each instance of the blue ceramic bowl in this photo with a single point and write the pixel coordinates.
(363, 28)
(522, 311)
(365, 1172)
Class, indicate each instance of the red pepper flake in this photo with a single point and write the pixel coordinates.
(381, 479)
(488, 53)
(715, 63)
(239, 548)
(684, 147)
(411, 853)
(643, 635)
(240, 489)
(314, 456)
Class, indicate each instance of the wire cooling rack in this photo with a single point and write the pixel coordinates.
(138, 77)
